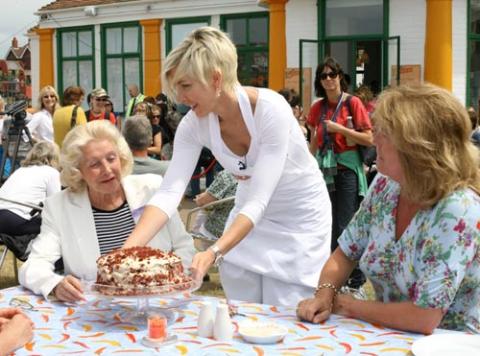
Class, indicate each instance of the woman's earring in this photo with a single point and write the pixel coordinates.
(219, 92)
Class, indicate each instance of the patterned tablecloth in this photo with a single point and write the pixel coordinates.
(99, 327)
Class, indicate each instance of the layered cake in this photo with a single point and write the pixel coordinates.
(140, 270)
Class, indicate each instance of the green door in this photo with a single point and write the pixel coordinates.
(374, 62)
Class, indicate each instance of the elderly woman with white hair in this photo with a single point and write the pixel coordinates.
(95, 214)
(41, 123)
(281, 222)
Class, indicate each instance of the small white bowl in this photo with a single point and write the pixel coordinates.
(262, 332)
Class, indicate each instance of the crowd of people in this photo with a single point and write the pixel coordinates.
(305, 221)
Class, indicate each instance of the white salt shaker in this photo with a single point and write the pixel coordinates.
(205, 320)
(223, 328)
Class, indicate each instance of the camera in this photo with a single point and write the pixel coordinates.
(16, 137)
(17, 112)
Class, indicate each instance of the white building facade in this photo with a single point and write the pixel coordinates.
(280, 42)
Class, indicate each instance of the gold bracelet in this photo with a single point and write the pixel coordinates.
(326, 286)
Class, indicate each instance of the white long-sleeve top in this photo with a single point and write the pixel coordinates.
(41, 126)
(284, 196)
(32, 184)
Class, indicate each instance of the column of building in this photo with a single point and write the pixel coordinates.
(151, 56)
(438, 43)
(277, 56)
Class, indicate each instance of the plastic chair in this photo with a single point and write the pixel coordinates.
(203, 241)
(6, 240)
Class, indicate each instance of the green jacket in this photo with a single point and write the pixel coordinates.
(131, 104)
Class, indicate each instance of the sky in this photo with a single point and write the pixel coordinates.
(16, 17)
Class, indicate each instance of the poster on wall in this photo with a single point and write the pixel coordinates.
(409, 74)
(292, 81)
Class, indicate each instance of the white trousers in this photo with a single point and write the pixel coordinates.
(241, 284)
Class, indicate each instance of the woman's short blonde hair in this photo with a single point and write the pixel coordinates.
(43, 153)
(72, 151)
(203, 52)
(46, 90)
(430, 129)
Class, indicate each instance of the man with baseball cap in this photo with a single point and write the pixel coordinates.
(98, 98)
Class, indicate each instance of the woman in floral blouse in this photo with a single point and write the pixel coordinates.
(416, 235)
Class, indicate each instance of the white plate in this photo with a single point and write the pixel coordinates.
(447, 345)
(262, 332)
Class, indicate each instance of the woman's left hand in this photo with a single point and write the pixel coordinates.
(202, 261)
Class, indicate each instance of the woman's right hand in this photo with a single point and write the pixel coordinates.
(316, 309)
(69, 290)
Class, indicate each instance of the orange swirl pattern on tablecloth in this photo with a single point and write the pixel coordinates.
(97, 328)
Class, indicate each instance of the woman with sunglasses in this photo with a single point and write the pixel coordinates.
(41, 124)
(339, 123)
(155, 149)
(280, 224)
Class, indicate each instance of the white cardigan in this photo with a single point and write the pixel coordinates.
(68, 231)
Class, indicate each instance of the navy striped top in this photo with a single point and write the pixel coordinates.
(113, 227)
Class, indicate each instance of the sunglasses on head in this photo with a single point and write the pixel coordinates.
(331, 75)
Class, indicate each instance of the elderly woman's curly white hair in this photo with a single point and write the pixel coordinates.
(72, 151)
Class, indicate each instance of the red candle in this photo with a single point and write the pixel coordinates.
(157, 327)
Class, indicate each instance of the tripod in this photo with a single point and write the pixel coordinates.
(14, 145)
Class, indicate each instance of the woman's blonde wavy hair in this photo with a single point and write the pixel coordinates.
(203, 52)
(71, 153)
(431, 131)
(45, 90)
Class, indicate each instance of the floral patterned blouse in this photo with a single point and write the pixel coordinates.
(435, 263)
(224, 186)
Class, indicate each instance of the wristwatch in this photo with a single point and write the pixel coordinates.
(218, 254)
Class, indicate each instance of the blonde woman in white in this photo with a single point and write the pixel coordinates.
(41, 124)
(280, 225)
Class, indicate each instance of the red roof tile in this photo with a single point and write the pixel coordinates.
(67, 4)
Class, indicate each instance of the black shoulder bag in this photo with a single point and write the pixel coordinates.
(73, 120)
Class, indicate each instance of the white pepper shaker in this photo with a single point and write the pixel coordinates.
(223, 327)
(205, 320)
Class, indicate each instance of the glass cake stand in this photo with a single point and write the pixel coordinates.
(134, 302)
